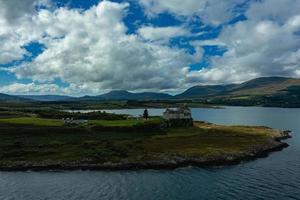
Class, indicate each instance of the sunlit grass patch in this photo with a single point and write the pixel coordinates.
(32, 121)
(122, 123)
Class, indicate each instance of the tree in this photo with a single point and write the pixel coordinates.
(145, 114)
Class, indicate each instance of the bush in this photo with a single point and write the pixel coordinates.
(54, 114)
(179, 123)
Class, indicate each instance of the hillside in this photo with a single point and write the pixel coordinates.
(256, 87)
(125, 95)
(47, 97)
(264, 91)
(205, 90)
(12, 99)
(265, 86)
(129, 144)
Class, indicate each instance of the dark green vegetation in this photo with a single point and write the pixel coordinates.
(48, 107)
(8, 98)
(31, 142)
(46, 97)
(125, 95)
(31, 121)
(51, 113)
(266, 91)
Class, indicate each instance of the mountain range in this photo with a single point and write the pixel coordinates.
(125, 95)
(264, 86)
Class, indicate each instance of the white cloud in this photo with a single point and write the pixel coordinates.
(274, 10)
(267, 44)
(213, 12)
(16, 28)
(31, 88)
(212, 42)
(91, 49)
(162, 33)
(12, 10)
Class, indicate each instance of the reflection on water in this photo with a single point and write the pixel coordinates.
(274, 177)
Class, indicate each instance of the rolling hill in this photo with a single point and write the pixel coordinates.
(266, 91)
(204, 91)
(125, 95)
(12, 99)
(47, 97)
(264, 86)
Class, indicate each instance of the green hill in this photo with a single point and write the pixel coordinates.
(256, 87)
(205, 90)
(125, 95)
(12, 99)
(265, 86)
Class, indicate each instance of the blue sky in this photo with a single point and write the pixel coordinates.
(79, 47)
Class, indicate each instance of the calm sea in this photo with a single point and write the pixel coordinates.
(274, 177)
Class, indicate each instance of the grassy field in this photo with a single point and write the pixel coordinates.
(122, 123)
(67, 144)
(34, 121)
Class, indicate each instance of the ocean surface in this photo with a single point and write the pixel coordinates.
(274, 177)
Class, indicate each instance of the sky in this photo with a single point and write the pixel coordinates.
(89, 47)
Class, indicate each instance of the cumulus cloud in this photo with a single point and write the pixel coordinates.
(31, 88)
(15, 27)
(92, 52)
(163, 34)
(275, 10)
(267, 44)
(213, 12)
(91, 48)
(13, 10)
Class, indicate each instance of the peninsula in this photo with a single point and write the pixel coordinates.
(41, 140)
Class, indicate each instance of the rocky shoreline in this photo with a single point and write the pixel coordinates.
(163, 162)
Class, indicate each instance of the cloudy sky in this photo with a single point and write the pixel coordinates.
(79, 47)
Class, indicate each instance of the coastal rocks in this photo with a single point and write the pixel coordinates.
(285, 135)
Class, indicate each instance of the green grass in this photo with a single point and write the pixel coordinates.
(125, 123)
(35, 121)
(122, 123)
(67, 144)
(32, 121)
(241, 97)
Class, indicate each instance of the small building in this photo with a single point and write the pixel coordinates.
(135, 117)
(74, 121)
(183, 112)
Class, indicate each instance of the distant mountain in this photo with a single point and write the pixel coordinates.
(47, 97)
(265, 89)
(256, 87)
(265, 86)
(205, 90)
(117, 94)
(125, 95)
(12, 99)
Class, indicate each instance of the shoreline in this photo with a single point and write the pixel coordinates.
(165, 163)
